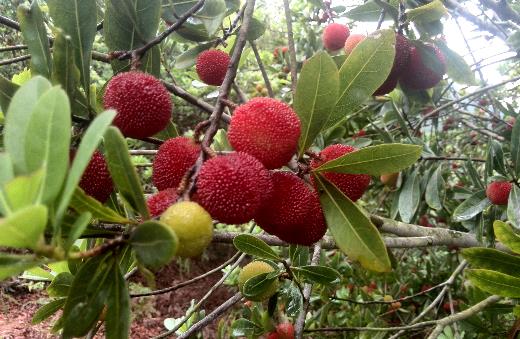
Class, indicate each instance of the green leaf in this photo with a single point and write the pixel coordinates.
(77, 229)
(471, 206)
(457, 68)
(24, 228)
(117, 323)
(130, 24)
(374, 160)
(6, 174)
(77, 19)
(316, 95)
(7, 90)
(371, 11)
(65, 72)
(432, 11)
(495, 282)
(89, 143)
(47, 310)
(514, 40)
(48, 140)
(352, 230)
(365, 69)
(35, 36)
(513, 206)
(60, 285)
(299, 255)
(259, 284)
(507, 236)
(188, 58)
(23, 190)
(318, 274)
(253, 246)
(410, 196)
(211, 14)
(81, 202)
(154, 244)
(244, 328)
(435, 190)
(491, 259)
(123, 171)
(18, 117)
(515, 147)
(13, 264)
(255, 30)
(294, 300)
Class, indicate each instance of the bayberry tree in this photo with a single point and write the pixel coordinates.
(343, 150)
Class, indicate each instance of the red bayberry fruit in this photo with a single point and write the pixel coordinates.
(273, 335)
(160, 201)
(334, 36)
(352, 41)
(232, 187)
(143, 104)
(352, 185)
(212, 66)
(96, 180)
(402, 56)
(267, 129)
(285, 331)
(174, 158)
(425, 68)
(498, 192)
(293, 212)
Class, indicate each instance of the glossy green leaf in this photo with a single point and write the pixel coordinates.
(410, 196)
(352, 230)
(513, 206)
(457, 68)
(255, 30)
(23, 190)
(130, 24)
(506, 235)
(471, 206)
(17, 119)
(299, 255)
(81, 202)
(294, 300)
(154, 244)
(244, 328)
(13, 264)
(6, 169)
(259, 284)
(60, 285)
(7, 90)
(435, 190)
(374, 160)
(316, 95)
(253, 246)
(371, 11)
(65, 72)
(189, 58)
(123, 171)
(24, 228)
(492, 259)
(515, 147)
(48, 144)
(365, 69)
(77, 19)
(211, 14)
(117, 323)
(318, 274)
(47, 310)
(35, 37)
(79, 226)
(495, 282)
(89, 143)
(432, 11)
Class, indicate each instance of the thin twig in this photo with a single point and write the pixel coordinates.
(261, 66)
(9, 23)
(292, 49)
(12, 48)
(14, 60)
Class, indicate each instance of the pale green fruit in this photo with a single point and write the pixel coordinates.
(253, 269)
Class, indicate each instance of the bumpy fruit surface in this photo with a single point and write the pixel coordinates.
(401, 59)
(272, 335)
(96, 180)
(143, 104)
(352, 41)
(293, 212)
(285, 331)
(232, 187)
(252, 270)
(498, 192)
(212, 66)
(267, 129)
(160, 201)
(174, 158)
(421, 72)
(352, 185)
(334, 36)
(193, 226)
(389, 179)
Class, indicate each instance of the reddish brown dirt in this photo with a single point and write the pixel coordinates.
(18, 307)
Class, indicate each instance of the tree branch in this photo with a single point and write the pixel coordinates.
(292, 49)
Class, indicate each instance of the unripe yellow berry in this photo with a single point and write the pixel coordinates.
(252, 270)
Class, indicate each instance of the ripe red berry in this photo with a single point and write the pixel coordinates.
(212, 66)
(285, 331)
(352, 41)
(498, 192)
(425, 68)
(267, 129)
(352, 185)
(293, 212)
(273, 335)
(143, 104)
(160, 201)
(174, 158)
(334, 36)
(96, 180)
(402, 56)
(232, 187)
